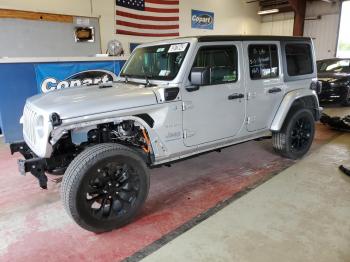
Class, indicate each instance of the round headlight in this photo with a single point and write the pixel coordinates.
(39, 126)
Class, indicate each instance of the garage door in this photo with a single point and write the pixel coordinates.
(324, 32)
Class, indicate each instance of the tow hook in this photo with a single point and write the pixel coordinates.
(36, 167)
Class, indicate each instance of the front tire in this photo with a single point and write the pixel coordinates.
(105, 187)
(296, 136)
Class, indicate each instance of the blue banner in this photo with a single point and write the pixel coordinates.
(23, 80)
(202, 19)
(56, 76)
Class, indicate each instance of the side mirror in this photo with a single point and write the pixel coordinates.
(200, 76)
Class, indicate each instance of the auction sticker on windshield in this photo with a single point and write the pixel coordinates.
(161, 49)
(177, 48)
(164, 72)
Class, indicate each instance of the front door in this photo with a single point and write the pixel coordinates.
(265, 86)
(217, 110)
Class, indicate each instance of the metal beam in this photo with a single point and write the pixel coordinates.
(299, 7)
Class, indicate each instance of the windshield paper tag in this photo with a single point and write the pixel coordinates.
(164, 73)
(177, 48)
(161, 49)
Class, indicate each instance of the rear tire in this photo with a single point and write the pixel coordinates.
(295, 138)
(105, 187)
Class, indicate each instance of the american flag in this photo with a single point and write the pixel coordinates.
(154, 18)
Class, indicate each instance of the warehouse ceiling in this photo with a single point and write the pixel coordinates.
(279, 4)
(283, 5)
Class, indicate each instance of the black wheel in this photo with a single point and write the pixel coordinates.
(104, 187)
(297, 134)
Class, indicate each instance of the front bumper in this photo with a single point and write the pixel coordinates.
(33, 164)
(337, 94)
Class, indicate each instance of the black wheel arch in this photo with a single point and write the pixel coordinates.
(308, 102)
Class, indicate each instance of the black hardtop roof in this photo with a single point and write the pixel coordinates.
(217, 38)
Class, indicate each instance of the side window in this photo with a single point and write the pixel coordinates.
(263, 61)
(221, 61)
(299, 59)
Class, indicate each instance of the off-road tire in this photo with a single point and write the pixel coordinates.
(79, 174)
(282, 140)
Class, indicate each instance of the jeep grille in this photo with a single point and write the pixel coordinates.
(29, 118)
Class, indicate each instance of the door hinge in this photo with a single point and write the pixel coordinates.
(188, 133)
(187, 105)
(251, 95)
(250, 119)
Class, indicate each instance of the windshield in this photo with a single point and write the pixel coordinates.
(160, 62)
(334, 66)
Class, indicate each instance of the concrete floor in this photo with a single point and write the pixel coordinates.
(336, 110)
(301, 213)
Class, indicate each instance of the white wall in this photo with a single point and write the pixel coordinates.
(277, 24)
(323, 30)
(68, 7)
(231, 16)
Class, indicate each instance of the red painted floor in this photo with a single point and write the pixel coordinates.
(35, 227)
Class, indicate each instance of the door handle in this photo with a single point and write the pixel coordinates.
(275, 90)
(235, 96)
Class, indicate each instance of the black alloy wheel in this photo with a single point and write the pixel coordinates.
(112, 190)
(105, 187)
(295, 138)
(301, 134)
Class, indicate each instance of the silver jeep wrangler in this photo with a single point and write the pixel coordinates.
(173, 99)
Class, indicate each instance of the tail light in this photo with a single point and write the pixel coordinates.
(316, 85)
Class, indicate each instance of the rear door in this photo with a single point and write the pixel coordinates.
(265, 85)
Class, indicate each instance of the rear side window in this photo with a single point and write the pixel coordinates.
(299, 59)
(221, 61)
(263, 61)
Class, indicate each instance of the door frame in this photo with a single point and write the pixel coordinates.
(266, 83)
(240, 79)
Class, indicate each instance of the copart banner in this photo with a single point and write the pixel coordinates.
(202, 19)
(56, 76)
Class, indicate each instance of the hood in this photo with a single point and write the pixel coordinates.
(333, 77)
(88, 100)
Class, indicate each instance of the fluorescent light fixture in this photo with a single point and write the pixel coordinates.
(269, 11)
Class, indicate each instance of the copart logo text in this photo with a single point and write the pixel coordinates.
(91, 77)
(203, 19)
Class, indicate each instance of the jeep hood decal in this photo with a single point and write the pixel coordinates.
(88, 100)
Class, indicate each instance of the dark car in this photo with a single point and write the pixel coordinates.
(335, 77)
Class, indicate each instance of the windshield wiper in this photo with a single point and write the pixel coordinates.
(147, 76)
(126, 76)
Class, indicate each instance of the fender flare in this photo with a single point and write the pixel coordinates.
(287, 104)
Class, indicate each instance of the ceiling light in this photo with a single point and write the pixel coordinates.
(269, 11)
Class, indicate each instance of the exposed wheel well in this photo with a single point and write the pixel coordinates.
(127, 132)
